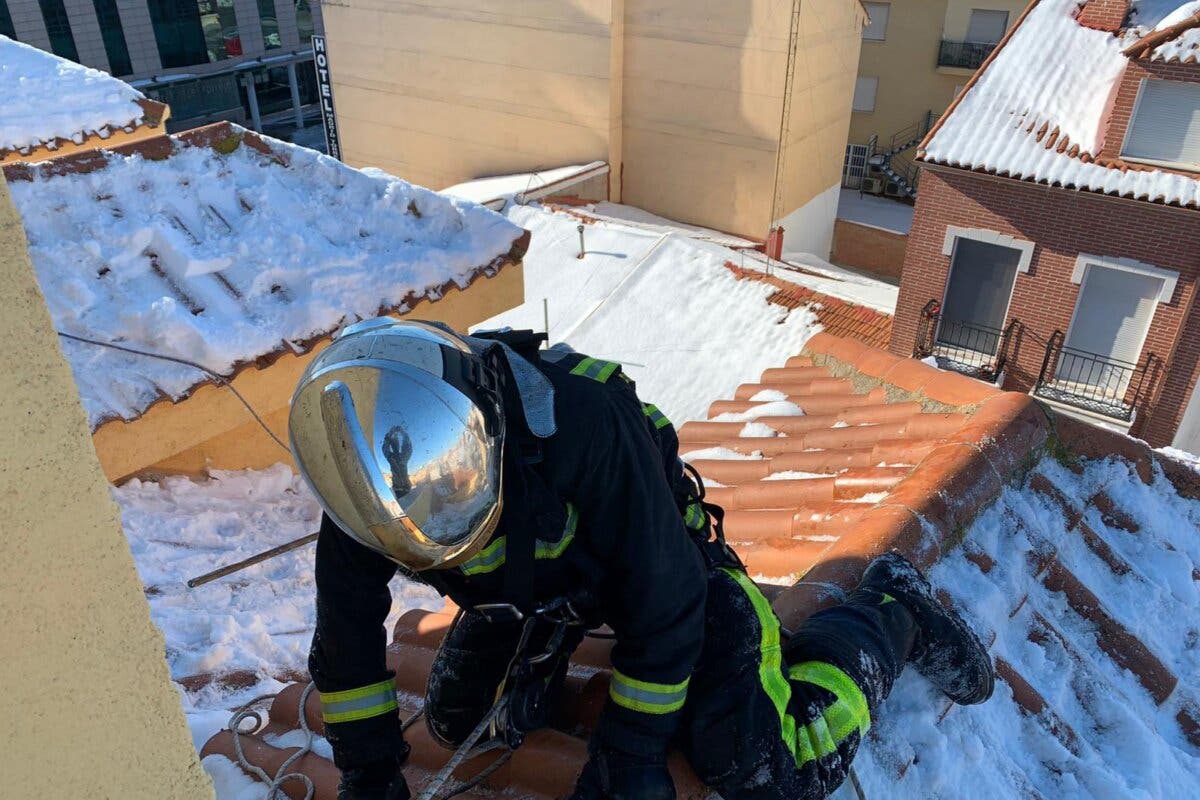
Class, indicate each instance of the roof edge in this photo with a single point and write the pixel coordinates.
(154, 115)
(1142, 47)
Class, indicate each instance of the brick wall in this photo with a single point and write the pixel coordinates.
(1062, 224)
(1122, 106)
(868, 248)
(1104, 15)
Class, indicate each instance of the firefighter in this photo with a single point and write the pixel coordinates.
(510, 478)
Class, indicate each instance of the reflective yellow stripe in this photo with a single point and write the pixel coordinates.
(645, 696)
(493, 556)
(595, 369)
(821, 736)
(694, 517)
(850, 712)
(657, 418)
(361, 703)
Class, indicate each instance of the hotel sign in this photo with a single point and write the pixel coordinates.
(333, 144)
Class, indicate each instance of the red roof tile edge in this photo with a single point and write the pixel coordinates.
(154, 114)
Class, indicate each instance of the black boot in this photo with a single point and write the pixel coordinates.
(946, 650)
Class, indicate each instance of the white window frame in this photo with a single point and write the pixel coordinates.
(874, 95)
(887, 20)
(1007, 23)
(1186, 166)
(1170, 277)
(954, 233)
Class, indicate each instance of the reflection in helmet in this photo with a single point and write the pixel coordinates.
(397, 449)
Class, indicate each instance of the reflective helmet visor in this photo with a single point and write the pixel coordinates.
(401, 459)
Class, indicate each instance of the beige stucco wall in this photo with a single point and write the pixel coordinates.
(910, 82)
(683, 100)
(440, 93)
(212, 430)
(88, 706)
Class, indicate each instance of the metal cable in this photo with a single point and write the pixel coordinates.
(220, 379)
(281, 775)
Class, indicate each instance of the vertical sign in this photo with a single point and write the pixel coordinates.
(333, 144)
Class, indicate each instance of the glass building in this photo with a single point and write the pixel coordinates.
(249, 61)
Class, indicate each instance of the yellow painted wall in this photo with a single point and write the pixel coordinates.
(441, 93)
(88, 706)
(910, 82)
(686, 96)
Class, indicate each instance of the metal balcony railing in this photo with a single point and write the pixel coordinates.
(1090, 382)
(976, 350)
(968, 55)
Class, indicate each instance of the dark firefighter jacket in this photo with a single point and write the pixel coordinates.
(610, 500)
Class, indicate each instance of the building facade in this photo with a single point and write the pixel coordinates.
(686, 104)
(916, 56)
(248, 61)
(1061, 255)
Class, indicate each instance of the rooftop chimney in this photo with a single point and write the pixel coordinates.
(1104, 15)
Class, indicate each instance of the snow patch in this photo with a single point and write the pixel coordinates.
(775, 408)
(720, 454)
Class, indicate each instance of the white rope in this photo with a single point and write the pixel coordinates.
(465, 751)
(281, 775)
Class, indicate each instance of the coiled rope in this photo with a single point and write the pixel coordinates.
(281, 775)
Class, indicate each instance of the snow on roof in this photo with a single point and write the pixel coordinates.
(227, 254)
(1037, 110)
(47, 98)
(524, 186)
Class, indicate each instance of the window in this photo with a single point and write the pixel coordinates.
(982, 275)
(190, 32)
(304, 22)
(270, 24)
(864, 94)
(1165, 128)
(6, 23)
(986, 26)
(113, 35)
(58, 27)
(876, 31)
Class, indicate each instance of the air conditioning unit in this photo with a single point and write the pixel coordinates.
(893, 189)
(872, 185)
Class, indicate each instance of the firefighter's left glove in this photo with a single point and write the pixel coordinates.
(610, 775)
(378, 780)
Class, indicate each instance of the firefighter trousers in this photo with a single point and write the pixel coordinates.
(765, 719)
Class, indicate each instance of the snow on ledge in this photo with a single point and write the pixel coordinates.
(222, 259)
(47, 98)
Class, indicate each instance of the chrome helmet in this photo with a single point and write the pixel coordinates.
(397, 427)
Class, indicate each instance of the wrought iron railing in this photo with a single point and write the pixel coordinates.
(970, 348)
(968, 55)
(1091, 382)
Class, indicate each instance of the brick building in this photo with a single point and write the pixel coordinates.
(1056, 243)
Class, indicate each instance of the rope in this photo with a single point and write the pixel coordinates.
(281, 775)
(858, 790)
(220, 379)
(466, 751)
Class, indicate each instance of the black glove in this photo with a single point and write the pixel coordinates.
(378, 780)
(610, 775)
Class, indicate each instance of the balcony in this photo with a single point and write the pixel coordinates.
(1095, 384)
(964, 55)
(972, 349)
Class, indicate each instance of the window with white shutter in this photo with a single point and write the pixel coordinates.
(864, 94)
(1112, 318)
(987, 26)
(1165, 128)
(876, 31)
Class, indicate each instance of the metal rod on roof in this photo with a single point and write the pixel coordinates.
(546, 318)
(582, 249)
(266, 555)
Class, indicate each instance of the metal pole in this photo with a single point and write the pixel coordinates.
(582, 249)
(252, 97)
(209, 577)
(294, 85)
(546, 317)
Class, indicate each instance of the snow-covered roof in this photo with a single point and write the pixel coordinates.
(47, 99)
(1036, 111)
(229, 254)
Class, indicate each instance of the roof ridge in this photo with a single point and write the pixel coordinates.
(1142, 47)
